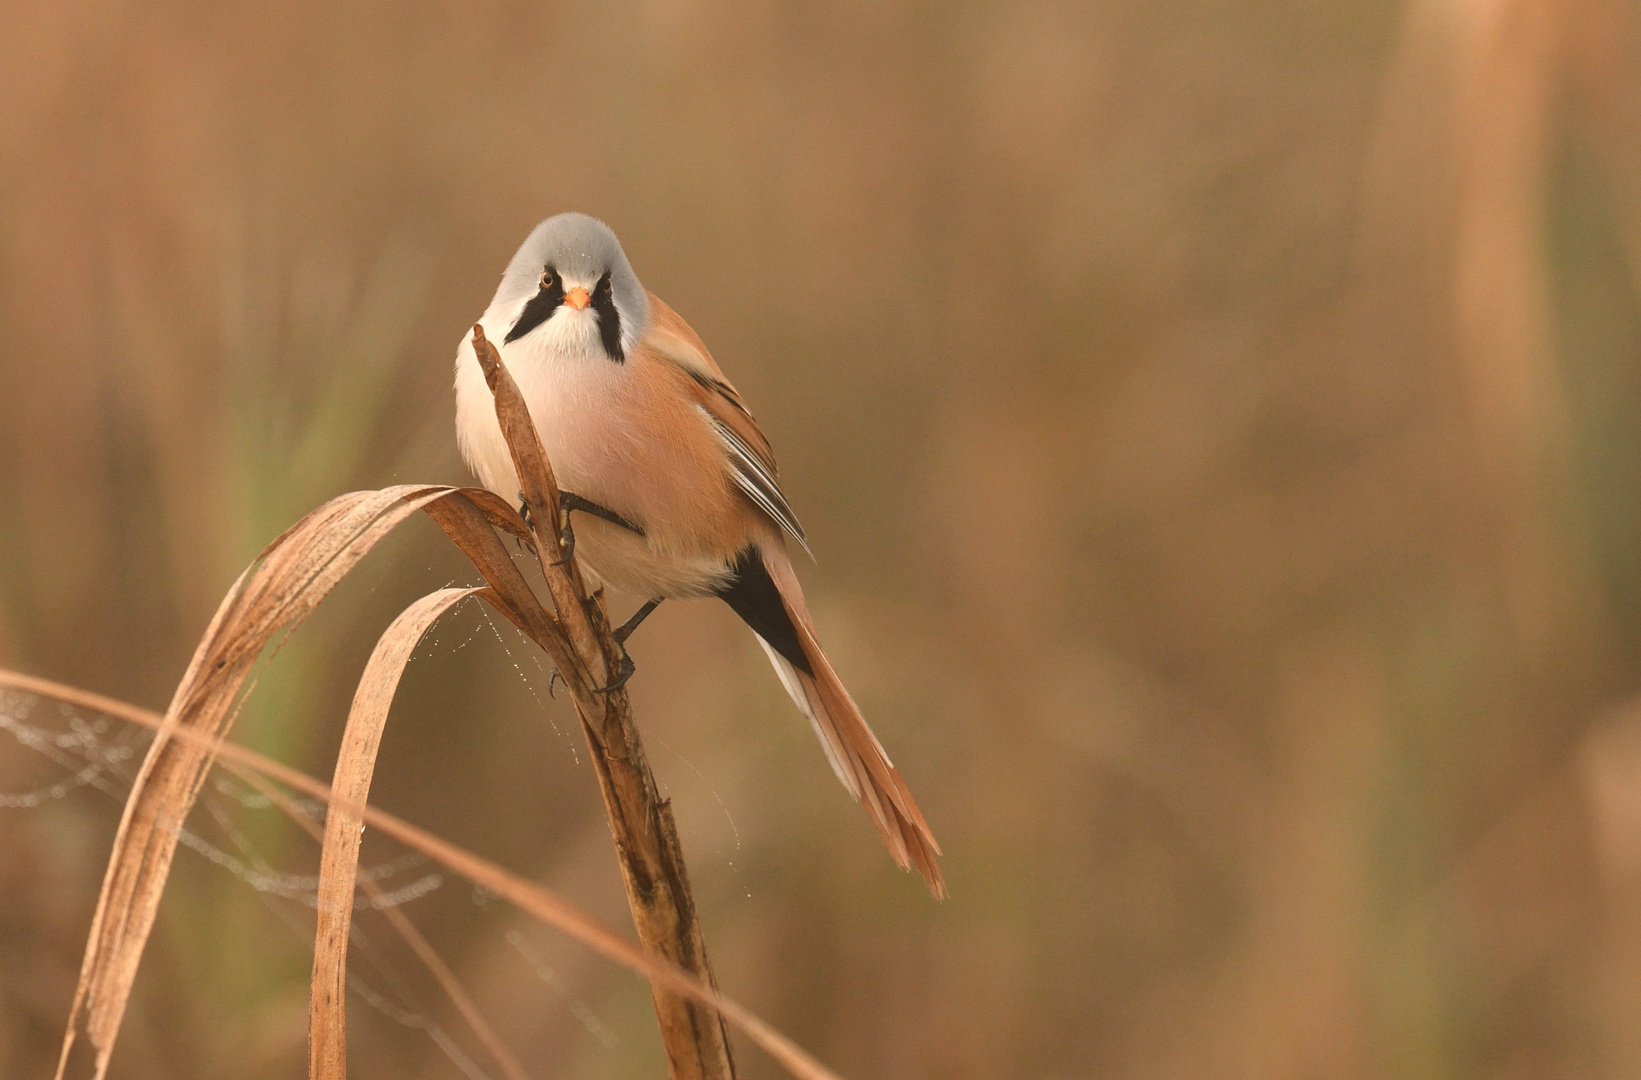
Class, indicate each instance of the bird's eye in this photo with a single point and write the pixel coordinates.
(546, 279)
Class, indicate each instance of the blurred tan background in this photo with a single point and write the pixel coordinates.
(1220, 429)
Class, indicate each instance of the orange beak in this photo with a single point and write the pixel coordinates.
(578, 298)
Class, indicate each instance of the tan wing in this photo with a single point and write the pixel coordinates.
(750, 455)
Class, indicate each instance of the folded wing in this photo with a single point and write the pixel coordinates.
(751, 459)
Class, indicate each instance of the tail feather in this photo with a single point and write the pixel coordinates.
(854, 752)
(807, 698)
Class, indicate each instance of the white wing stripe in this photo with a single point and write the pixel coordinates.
(752, 477)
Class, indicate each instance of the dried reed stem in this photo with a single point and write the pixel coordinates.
(525, 895)
(274, 595)
(339, 858)
(412, 937)
(646, 839)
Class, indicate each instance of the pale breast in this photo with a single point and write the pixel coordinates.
(624, 436)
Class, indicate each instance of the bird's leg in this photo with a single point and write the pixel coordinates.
(621, 633)
(568, 501)
(626, 668)
(571, 501)
(624, 631)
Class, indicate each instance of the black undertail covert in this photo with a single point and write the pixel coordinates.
(751, 594)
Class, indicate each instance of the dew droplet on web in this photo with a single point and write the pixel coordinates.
(574, 756)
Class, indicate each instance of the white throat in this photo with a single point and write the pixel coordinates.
(567, 336)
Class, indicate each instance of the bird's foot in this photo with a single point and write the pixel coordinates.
(566, 536)
(569, 501)
(625, 668)
(524, 515)
(564, 531)
(621, 634)
(624, 671)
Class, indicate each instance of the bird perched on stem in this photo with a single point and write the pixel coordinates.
(675, 484)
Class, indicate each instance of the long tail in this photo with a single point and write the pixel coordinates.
(856, 755)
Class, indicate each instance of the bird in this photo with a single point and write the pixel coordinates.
(676, 484)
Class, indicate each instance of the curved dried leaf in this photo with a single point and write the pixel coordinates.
(274, 594)
(526, 895)
(540, 492)
(466, 521)
(401, 924)
(339, 862)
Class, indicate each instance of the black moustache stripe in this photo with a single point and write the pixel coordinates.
(609, 320)
(538, 310)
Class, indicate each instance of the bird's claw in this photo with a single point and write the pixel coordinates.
(564, 529)
(524, 515)
(624, 671)
(568, 535)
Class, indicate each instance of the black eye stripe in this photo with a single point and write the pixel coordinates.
(547, 300)
(609, 319)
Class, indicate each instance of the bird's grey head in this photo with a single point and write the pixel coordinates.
(571, 267)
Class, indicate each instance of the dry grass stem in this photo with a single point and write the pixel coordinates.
(279, 590)
(537, 901)
(646, 838)
(339, 862)
(273, 596)
(412, 937)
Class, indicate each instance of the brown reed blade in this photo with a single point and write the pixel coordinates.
(279, 590)
(466, 522)
(535, 473)
(339, 862)
(274, 594)
(646, 837)
(402, 926)
(540, 492)
(526, 895)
